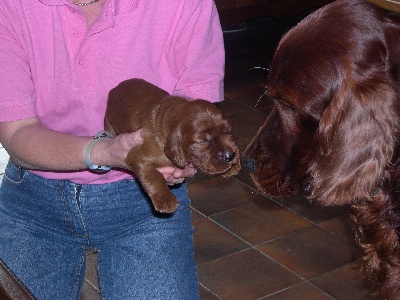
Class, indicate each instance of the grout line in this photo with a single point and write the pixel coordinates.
(285, 289)
(91, 285)
(210, 291)
(254, 247)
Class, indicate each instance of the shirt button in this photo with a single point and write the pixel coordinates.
(77, 34)
(81, 61)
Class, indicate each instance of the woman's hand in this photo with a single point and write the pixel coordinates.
(115, 151)
(112, 152)
(175, 175)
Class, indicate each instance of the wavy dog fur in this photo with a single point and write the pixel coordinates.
(333, 133)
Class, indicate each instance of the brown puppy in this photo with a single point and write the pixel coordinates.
(333, 133)
(177, 132)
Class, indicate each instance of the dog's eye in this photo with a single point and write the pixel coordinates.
(284, 104)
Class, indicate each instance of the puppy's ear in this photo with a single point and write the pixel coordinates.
(354, 142)
(173, 147)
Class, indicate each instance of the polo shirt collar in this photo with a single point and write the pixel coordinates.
(121, 6)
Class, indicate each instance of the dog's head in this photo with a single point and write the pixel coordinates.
(334, 83)
(202, 137)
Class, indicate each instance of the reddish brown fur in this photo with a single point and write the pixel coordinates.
(177, 132)
(333, 133)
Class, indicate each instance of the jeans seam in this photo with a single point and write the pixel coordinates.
(67, 214)
(103, 295)
(78, 205)
(78, 275)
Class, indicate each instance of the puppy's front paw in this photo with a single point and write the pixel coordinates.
(165, 204)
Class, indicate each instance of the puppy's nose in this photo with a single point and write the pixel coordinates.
(249, 164)
(228, 156)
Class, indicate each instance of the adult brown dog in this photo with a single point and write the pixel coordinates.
(177, 132)
(333, 132)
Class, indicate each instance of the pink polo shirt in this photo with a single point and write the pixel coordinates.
(53, 67)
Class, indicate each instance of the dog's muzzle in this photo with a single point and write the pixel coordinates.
(249, 164)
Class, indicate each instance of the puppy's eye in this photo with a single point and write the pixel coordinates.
(204, 139)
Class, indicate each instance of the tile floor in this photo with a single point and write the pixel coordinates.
(248, 246)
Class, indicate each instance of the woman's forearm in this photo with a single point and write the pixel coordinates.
(32, 146)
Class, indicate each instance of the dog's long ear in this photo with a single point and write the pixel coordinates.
(354, 142)
(173, 147)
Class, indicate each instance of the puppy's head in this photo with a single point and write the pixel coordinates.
(203, 138)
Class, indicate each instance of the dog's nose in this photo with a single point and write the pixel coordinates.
(228, 156)
(307, 185)
(249, 164)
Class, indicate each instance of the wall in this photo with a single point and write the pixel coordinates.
(234, 12)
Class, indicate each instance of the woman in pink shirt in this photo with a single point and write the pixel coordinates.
(58, 61)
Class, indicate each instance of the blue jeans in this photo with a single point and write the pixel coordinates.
(46, 226)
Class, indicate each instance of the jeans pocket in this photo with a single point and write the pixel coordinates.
(15, 174)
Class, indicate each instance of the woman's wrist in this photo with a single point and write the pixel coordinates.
(88, 152)
(112, 152)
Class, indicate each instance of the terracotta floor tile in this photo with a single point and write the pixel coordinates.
(91, 269)
(310, 252)
(200, 176)
(196, 216)
(245, 275)
(344, 283)
(90, 289)
(252, 95)
(341, 226)
(261, 221)
(219, 194)
(304, 291)
(244, 177)
(247, 123)
(230, 107)
(206, 294)
(89, 293)
(311, 211)
(212, 242)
